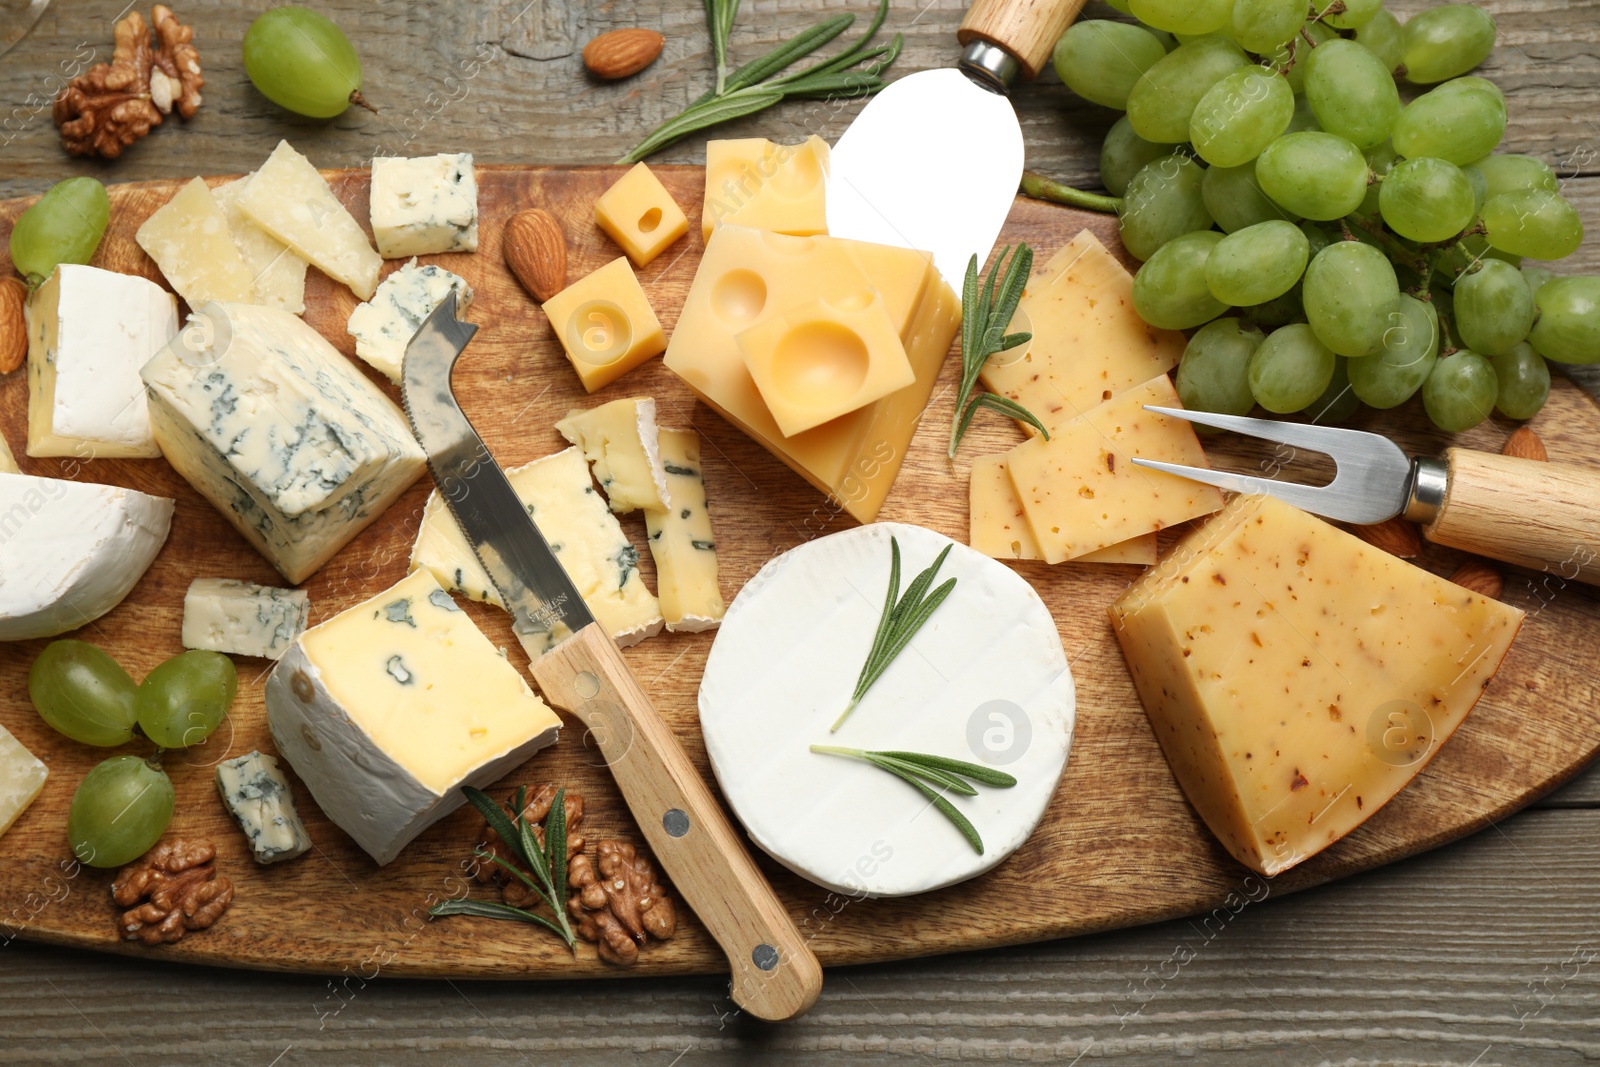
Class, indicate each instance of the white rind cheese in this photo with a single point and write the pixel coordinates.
(984, 680)
(242, 618)
(22, 778)
(257, 795)
(297, 448)
(188, 237)
(384, 326)
(681, 540)
(278, 274)
(386, 710)
(620, 440)
(89, 332)
(424, 205)
(289, 199)
(70, 551)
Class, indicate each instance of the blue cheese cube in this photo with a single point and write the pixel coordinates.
(424, 205)
(256, 794)
(384, 325)
(243, 619)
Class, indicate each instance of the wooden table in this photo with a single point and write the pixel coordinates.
(1485, 952)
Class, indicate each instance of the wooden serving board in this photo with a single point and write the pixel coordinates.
(1119, 845)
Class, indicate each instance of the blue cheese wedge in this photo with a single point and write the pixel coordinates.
(383, 326)
(424, 205)
(22, 778)
(256, 794)
(386, 710)
(188, 237)
(277, 273)
(619, 439)
(289, 199)
(294, 445)
(681, 541)
(242, 618)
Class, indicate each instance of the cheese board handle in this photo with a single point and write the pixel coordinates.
(775, 974)
(1524, 511)
(1028, 29)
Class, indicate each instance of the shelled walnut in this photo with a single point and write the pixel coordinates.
(111, 105)
(619, 904)
(513, 891)
(175, 888)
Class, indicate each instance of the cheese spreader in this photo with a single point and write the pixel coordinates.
(580, 670)
(1536, 514)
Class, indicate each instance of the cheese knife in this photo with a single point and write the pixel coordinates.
(934, 159)
(581, 671)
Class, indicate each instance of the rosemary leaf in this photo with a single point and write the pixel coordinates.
(1006, 406)
(783, 56)
(516, 872)
(495, 816)
(976, 771)
(912, 622)
(702, 116)
(555, 846)
(925, 771)
(947, 809)
(489, 909)
(548, 873)
(940, 778)
(987, 310)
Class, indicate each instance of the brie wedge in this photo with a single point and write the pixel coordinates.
(22, 778)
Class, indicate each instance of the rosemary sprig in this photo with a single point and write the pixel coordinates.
(760, 83)
(899, 623)
(548, 864)
(985, 313)
(930, 774)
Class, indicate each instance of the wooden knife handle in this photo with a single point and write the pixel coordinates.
(1540, 515)
(1028, 29)
(775, 974)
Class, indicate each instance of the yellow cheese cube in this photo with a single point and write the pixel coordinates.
(640, 215)
(1297, 677)
(606, 324)
(1088, 343)
(999, 529)
(681, 541)
(188, 237)
(620, 440)
(1080, 489)
(778, 187)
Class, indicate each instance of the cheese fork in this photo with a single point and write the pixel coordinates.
(1535, 514)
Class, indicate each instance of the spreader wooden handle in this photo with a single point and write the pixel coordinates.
(1028, 29)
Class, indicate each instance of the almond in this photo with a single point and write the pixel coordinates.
(622, 53)
(536, 252)
(1395, 536)
(1524, 443)
(13, 326)
(1478, 577)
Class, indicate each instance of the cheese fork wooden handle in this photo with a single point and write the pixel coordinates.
(775, 974)
(1028, 29)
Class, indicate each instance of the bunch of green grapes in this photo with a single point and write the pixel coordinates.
(1324, 239)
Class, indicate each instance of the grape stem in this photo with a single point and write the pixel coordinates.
(360, 101)
(1397, 251)
(1039, 187)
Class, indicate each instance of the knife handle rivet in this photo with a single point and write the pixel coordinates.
(764, 956)
(586, 685)
(675, 822)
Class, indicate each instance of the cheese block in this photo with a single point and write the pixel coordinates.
(70, 551)
(681, 540)
(1081, 491)
(387, 709)
(605, 324)
(585, 537)
(1297, 677)
(289, 199)
(8, 462)
(424, 205)
(1088, 342)
(640, 215)
(22, 779)
(984, 680)
(276, 272)
(294, 445)
(385, 325)
(242, 618)
(999, 529)
(619, 439)
(256, 793)
(89, 332)
(189, 239)
(753, 182)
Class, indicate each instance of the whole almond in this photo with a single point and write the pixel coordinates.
(536, 251)
(1395, 536)
(1478, 577)
(13, 326)
(1524, 443)
(622, 53)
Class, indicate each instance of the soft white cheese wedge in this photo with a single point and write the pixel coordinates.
(188, 237)
(619, 439)
(242, 618)
(384, 325)
(256, 794)
(424, 205)
(985, 680)
(89, 332)
(22, 778)
(278, 274)
(386, 710)
(70, 551)
(289, 199)
(681, 540)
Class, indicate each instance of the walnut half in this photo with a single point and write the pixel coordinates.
(111, 105)
(619, 903)
(172, 890)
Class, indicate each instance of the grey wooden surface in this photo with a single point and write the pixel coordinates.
(1484, 952)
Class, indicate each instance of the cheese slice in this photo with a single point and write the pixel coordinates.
(277, 274)
(189, 239)
(1081, 491)
(256, 793)
(585, 537)
(681, 541)
(242, 618)
(999, 529)
(22, 779)
(387, 709)
(385, 325)
(1297, 677)
(289, 199)
(619, 439)
(424, 205)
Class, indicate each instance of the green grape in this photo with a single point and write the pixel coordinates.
(1338, 401)
(1454, 123)
(1101, 60)
(1213, 374)
(1170, 291)
(301, 61)
(1356, 13)
(1352, 93)
(1568, 329)
(1303, 118)
(1350, 290)
(1161, 202)
(1460, 391)
(1163, 99)
(1523, 378)
(1279, 311)
(1445, 41)
(1258, 263)
(1480, 188)
(1382, 36)
(1124, 153)
(1381, 158)
(1477, 247)
(1235, 200)
(64, 226)
(1318, 237)
(1119, 5)
(83, 693)
(184, 700)
(1261, 26)
(1535, 277)
(1472, 82)
(1315, 175)
(1426, 199)
(121, 808)
(1536, 223)
(1410, 345)
(1183, 16)
(1239, 116)
(1493, 307)
(1289, 58)
(1290, 369)
(1513, 174)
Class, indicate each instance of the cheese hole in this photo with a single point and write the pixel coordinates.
(599, 332)
(739, 296)
(818, 363)
(786, 245)
(650, 220)
(856, 301)
(799, 174)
